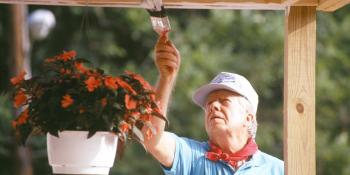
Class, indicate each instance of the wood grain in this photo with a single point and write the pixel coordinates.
(331, 5)
(299, 91)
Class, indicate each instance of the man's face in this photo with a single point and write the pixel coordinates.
(224, 115)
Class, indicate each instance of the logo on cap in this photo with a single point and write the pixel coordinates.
(223, 78)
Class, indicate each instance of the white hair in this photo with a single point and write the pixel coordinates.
(248, 108)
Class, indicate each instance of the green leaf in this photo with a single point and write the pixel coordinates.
(82, 60)
(54, 133)
(91, 133)
(156, 114)
(139, 135)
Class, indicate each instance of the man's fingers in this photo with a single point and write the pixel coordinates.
(163, 43)
(165, 56)
(168, 50)
(168, 42)
(165, 47)
(169, 47)
(163, 39)
(168, 65)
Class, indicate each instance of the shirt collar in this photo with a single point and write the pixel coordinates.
(255, 161)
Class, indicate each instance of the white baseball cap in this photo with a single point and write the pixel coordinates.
(227, 81)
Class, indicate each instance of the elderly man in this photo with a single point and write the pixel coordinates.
(230, 104)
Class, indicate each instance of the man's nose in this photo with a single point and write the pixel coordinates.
(215, 106)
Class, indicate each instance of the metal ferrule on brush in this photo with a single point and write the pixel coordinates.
(160, 21)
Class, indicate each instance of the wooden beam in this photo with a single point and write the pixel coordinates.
(331, 5)
(300, 2)
(185, 4)
(323, 5)
(299, 91)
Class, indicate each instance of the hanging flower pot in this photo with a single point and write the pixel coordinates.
(73, 153)
(69, 97)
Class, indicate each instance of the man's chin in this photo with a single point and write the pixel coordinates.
(218, 129)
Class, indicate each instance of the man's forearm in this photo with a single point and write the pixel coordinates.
(164, 88)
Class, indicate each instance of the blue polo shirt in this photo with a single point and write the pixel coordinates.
(190, 160)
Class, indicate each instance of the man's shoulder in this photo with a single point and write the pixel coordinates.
(262, 158)
(264, 163)
(268, 157)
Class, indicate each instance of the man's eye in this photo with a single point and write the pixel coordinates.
(208, 103)
(225, 101)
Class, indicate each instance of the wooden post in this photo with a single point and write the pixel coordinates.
(17, 47)
(299, 91)
(21, 43)
(20, 53)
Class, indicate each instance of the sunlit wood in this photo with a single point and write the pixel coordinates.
(186, 4)
(299, 91)
(18, 37)
(323, 5)
(331, 5)
(300, 2)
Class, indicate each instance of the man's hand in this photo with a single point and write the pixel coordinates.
(167, 57)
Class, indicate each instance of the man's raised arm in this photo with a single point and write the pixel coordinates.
(167, 60)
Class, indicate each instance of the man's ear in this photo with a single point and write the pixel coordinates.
(248, 119)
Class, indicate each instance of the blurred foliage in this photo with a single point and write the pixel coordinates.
(210, 41)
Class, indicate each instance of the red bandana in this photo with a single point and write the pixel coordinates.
(215, 153)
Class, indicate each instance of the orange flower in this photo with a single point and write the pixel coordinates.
(23, 117)
(92, 83)
(18, 79)
(14, 124)
(153, 97)
(65, 71)
(125, 85)
(67, 55)
(138, 77)
(149, 133)
(104, 102)
(124, 127)
(66, 101)
(146, 117)
(80, 67)
(111, 83)
(130, 103)
(148, 110)
(135, 115)
(20, 98)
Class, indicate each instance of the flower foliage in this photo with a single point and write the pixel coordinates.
(69, 96)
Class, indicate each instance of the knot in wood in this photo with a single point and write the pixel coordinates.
(300, 108)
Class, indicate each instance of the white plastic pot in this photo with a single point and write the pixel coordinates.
(73, 153)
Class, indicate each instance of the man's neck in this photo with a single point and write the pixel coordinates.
(231, 145)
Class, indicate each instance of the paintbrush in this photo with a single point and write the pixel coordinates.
(160, 21)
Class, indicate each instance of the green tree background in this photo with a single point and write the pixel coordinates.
(210, 41)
